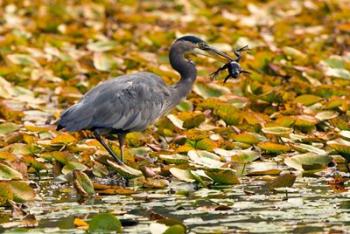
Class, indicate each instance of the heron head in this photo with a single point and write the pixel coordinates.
(196, 45)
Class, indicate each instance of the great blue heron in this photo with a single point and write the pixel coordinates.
(132, 102)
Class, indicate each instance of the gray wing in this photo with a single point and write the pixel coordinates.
(127, 103)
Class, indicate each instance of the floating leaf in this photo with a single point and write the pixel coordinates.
(155, 183)
(326, 115)
(248, 138)
(273, 148)
(263, 168)
(182, 174)
(308, 161)
(8, 173)
(283, 180)
(63, 138)
(308, 148)
(209, 90)
(23, 59)
(6, 128)
(22, 191)
(73, 165)
(205, 158)
(185, 105)
(223, 175)
(245, 156)
(6, 193)
(105, 222)
(83, 183)
(176, 121)
(341, 146)
(308, 99)
(174, 158)
(102, 46)
(124, 170)
(278, 131)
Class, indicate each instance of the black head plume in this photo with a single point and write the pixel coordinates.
(190, 38)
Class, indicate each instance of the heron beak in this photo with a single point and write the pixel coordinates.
(212, 51)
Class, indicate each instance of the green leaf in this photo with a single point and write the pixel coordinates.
(73, 165)
(308, 162)
(307, 99)
(101, 46)
(278, 131)
(8, 127)
(174, 158)
(205, 158)
(6, 193)
(223, 175)
(124, 170)
(106, 222)
(182, 174)
(8, 173)
(209, 90)
(22, 191)
(286, 179)
(83, 183)
(23, 59)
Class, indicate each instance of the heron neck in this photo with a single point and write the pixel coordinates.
(185, 68)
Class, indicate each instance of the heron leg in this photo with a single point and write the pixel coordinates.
(121, 139)
(110, 151)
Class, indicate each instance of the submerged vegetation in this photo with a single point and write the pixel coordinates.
(268, 152)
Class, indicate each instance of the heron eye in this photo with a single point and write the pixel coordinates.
(202, 45)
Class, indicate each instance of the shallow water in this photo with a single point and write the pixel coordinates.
(311, 206)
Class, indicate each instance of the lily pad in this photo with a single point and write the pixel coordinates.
(8, 173)
(22, 191)
(205, 158)
(274, 148)
(286, 179)
(83, 183)
(106, 222)
(124, 170)
(182, 174)
(223, 175)
(174, 158)
(308, 162)
(277, 131)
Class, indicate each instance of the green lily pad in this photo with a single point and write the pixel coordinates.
(22, 191)
(308, 162)
(6, 128)
(182, 174)
(341, 146)
(223, 175)
(205, 158)
(174, 158)
(263, 168)
(308, 148)
(102, 46)
(124, 170)
(73, 165)
(326, 115)
(106, 222)
(282, 181)
(249, 138)
(245, 156)
(83, 184)
(8, 173)
(6, 193)
(209, 90)
(278, 131)
(308, 99)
